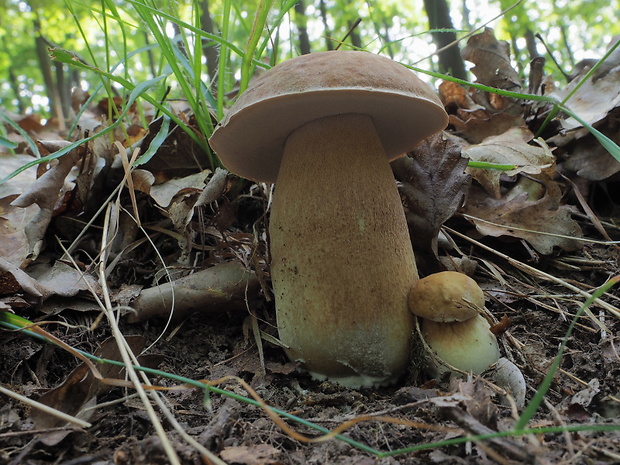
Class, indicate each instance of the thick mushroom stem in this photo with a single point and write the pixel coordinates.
(342, 262)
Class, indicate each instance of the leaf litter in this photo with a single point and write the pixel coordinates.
(511, 228)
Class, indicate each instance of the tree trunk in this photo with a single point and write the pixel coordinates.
(14, 83)
(450, 60)
(356, 39)
(301, 21)
(388, 40)
(209, 51)
(48, 79)
(328, 33)
(63, 86)
(150, 55)
(530, 42)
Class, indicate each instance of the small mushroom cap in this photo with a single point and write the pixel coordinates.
(445, 297)
(250, 138)
(467, 345)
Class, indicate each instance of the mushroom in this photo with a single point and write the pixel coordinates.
(449, 305)
(324, 128)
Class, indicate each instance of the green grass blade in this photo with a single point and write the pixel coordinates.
(538, 398)
(156, 142)
(4, 142)
(137, 91)
(31, 143)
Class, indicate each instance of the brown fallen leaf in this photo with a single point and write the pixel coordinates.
(595, 97)
(46, 192)
(523, 213)
(81, 388)
(589, 159)
(260, 454)
(63, 279)
(509, 148)
(434, 185)
(473, 121)
(14, 245)
(493, 68)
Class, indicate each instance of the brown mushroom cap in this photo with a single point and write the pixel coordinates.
(250, 138)
(446, 297)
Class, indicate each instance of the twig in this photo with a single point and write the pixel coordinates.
(541, 274)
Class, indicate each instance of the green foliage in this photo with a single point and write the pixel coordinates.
(103, 32)
(118, 46)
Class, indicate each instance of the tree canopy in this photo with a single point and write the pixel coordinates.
(115, 36)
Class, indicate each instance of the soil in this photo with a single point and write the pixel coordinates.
(420, 410)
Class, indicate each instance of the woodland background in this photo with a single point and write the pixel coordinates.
(408, 31)
(109, 191)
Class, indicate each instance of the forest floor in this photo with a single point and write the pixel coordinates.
(535, 284)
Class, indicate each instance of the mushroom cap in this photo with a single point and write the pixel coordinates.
(250, 138)
(467, 345)
(446, 297)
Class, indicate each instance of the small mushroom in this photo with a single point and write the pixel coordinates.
(324, 128)
(449, 305)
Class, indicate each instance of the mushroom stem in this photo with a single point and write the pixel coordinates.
(342, 262)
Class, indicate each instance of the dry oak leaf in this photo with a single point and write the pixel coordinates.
(14, 246)
(589, 159)
(492, 60)
(493, 68)
(509, 148)
(542, 222)
(595, 97)
(48, 192)
(433, 185)
(80, 389)
(474, 122)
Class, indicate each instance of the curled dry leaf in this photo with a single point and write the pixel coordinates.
(510, 148)
(472, 121)
(81, 388)
(597, 96)
(434, 185)
(526, 214)
(493, 68)
(46, 192)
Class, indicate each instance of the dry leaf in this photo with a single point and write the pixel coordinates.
(166, 191)
(596, 97)
(492, 60)
(46, 192)
(589, 159)
(260, 454)
(80, 390)
(63, 279)
(541, 221)
(434, 185)
(472, 121)
(14, 245)
(510, 148)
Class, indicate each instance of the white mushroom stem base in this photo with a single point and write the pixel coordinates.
(342, 262)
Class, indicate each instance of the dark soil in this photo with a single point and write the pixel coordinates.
(211, 346)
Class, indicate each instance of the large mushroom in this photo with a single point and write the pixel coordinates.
(324, 128)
